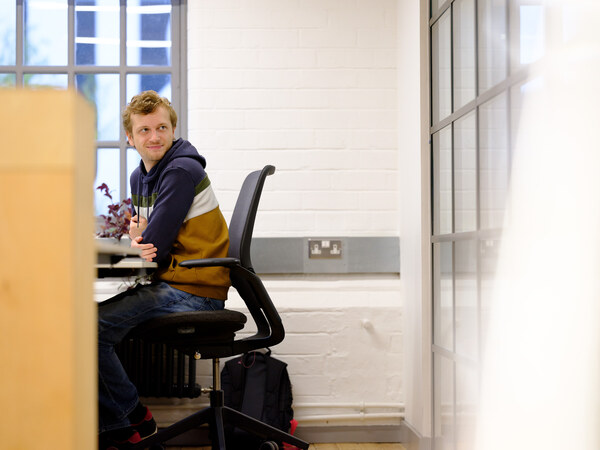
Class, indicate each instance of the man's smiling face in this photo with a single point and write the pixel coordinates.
(152, 135)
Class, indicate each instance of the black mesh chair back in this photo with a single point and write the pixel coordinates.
(241, 225)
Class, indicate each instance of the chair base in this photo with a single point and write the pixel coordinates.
(217, 416)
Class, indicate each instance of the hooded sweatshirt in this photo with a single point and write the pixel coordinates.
(184, 220)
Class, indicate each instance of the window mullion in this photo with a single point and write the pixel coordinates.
(20, 54)
(71, 43)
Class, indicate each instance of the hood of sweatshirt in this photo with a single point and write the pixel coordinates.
(180, 149)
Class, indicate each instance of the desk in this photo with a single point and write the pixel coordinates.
(117, 259)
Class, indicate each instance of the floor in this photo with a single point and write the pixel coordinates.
(346, 446)
(360, 446)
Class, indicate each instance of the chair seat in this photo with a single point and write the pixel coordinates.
(191, 329)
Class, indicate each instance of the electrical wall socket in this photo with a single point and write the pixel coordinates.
(325, 248)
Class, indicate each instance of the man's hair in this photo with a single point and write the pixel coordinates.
(146, 103)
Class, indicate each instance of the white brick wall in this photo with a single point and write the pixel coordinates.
(309, 87)
(343, 347)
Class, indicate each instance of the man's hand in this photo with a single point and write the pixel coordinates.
(136, 226)
(148, 250)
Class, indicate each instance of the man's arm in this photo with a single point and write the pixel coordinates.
(148, 250)
(172, 204)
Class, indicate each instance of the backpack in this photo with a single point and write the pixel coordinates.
(257, 385)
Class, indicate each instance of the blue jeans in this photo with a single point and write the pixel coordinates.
(117, 396)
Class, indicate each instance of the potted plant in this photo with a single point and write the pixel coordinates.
(115, 224)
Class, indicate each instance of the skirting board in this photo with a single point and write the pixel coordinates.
(325, 434)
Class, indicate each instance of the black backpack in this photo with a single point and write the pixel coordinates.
(259, 386)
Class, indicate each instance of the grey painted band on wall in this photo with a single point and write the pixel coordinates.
(371, 254)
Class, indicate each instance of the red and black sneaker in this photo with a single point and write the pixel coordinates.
(120, 439)
(147, 426)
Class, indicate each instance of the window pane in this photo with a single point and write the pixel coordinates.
(97, 32)
(435, 5)
(466, 313)
(464, 52)
(527, 33)
(442, 180)
(441, 83)
(107, 171)
(494, 161)
(8, 33)
(8, 79)
(137, 83)
(492, 43)
(443, 403)
(488, 254)
(443, 296)
(467, 405)
(40, 80)
(133, 160)
(148, 32)
(44, 45)
(518, 94)
(465, 174)
(103, 91)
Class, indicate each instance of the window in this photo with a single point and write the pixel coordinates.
(481, 51)
(109, 50)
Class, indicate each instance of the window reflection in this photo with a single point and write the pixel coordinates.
(42, 80)
(488, 256)
(160, 83)
(97, 32)
(527, 32)
(531, 33)
(467, 405)
(466, 313)
(8, 33)
(518, 94)
(443, 297)
(108, 159)
(441, 58)
(103, 91)
(492, 43)
(493, 161)
(8, 79)
(148, 32)
(442, 150)
(464, 52)
(444, 403)
(470, 178)
(44, 46)
(465, 174)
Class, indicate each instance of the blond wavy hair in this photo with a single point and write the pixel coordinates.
(146, 103)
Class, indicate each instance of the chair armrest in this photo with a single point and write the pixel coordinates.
(210, 262)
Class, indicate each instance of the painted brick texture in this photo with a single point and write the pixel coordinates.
(309, 87)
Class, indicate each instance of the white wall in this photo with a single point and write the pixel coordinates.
(311, 87)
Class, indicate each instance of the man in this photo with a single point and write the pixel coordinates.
(176, 217)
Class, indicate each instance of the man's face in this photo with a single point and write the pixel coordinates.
(152, 135)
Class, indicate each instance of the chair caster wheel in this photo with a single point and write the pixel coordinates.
(269, 445)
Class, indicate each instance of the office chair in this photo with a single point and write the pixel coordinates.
(211, 334)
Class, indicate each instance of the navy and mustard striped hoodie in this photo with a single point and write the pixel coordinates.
(184, 220)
